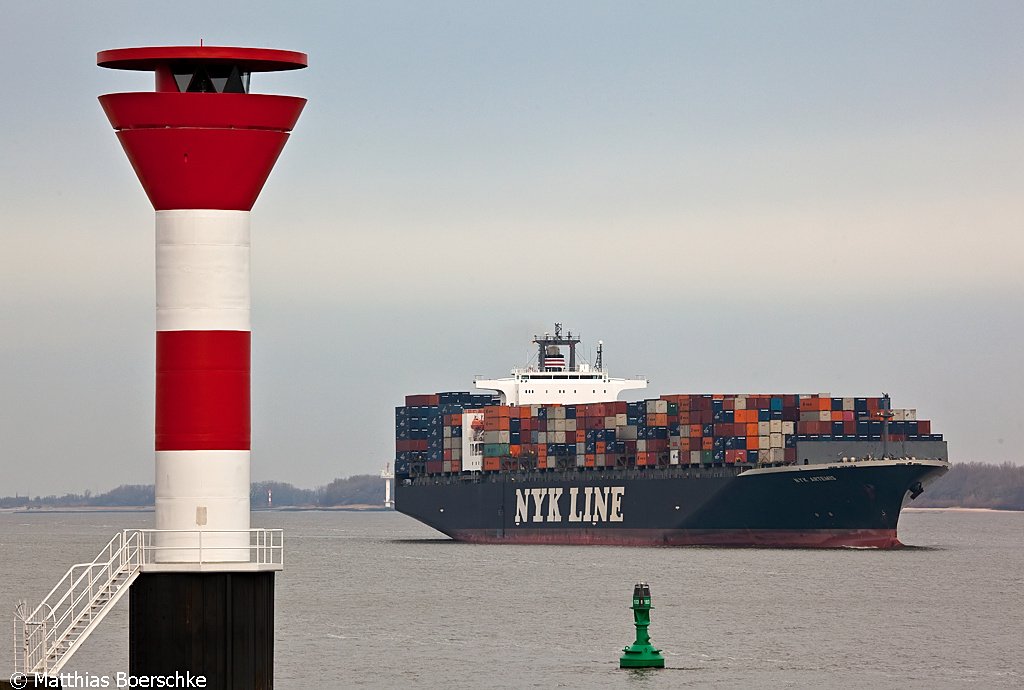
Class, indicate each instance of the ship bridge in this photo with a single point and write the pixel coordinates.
(557, 381)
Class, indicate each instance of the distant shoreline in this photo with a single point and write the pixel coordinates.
(356, 507)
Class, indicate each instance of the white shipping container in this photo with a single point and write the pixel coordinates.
(621, 420)
(899, 415)
(570, 425)
(673, 442)
(447, 431)
(504, 436)
(448, 443)
(788, 428)
(764, 428)
(542, 437)
(775, 426)
(775, 441)
(673, 458)
(694, 457)
(848, 404)
(457, 453)
(763, 442)
(739, 403)
(626, 433)
(825, 416)
(610, 422)
(911, 415)
(559, 425)
(651, 407)
(446, 466)
(661, 406)
(763, 455)
(641, 445)
(777, 455)
(559, 437)
(581, 448)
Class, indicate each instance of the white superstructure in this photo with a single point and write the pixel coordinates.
(556, 381)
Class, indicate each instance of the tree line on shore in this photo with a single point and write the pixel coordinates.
(362, 489)
(966, 485)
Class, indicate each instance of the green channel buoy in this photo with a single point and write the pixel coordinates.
(641, 654)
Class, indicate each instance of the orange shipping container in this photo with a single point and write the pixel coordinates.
(751, 429)
(708, 443)
(809, 404)
(752, 441)
(492, 464)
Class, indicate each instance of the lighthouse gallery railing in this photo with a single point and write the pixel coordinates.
(47, 637)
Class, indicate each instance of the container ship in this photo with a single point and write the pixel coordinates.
(551, 456)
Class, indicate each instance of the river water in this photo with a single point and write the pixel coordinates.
(377, 600)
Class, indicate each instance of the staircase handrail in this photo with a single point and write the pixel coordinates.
(69, 575)
(63, 614)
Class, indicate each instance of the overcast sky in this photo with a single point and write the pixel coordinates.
(735, 197)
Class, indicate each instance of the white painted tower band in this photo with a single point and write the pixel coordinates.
(202, 284)
(202, 270)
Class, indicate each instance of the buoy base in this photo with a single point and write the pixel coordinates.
(216, 625)
(641, 656)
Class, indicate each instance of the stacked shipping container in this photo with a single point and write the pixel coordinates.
(671, 430)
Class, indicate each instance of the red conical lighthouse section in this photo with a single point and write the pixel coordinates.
(202, 140)
(203, 147)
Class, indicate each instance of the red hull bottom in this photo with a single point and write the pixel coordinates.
(783, 539)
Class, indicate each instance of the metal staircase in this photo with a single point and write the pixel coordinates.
(47, 637)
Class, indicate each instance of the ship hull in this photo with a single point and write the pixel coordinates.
(823, 506)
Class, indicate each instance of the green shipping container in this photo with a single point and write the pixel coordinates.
(496, 450)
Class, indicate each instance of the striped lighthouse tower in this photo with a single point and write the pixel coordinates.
(202, 147)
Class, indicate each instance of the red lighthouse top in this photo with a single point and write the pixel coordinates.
(202, 69)
(254, 59)
(202, 140)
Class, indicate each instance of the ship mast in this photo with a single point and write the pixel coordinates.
(558, 339)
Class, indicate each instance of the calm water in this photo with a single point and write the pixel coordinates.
(378, 600)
